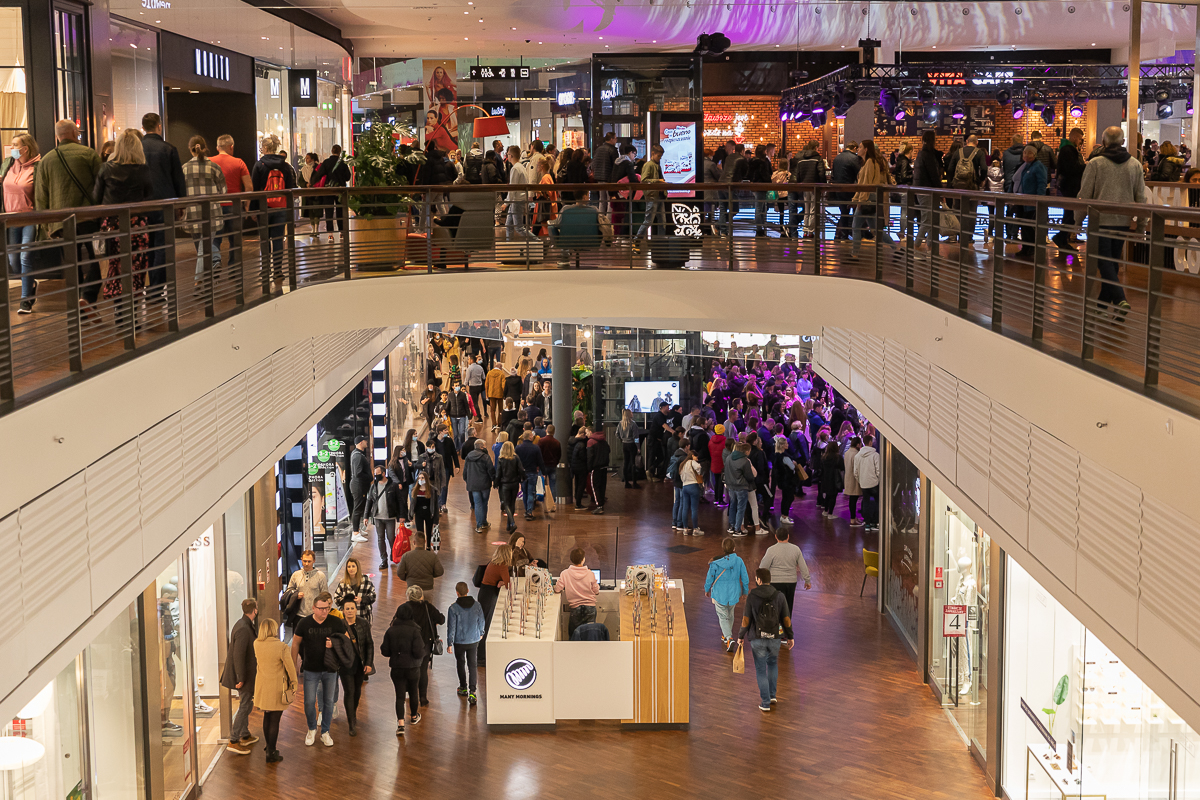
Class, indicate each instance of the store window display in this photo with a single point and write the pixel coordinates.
(116, 714)
(904, 534)
(13, 102)
(174, 688)
(960, 554)
(206, 631)
(1113, 737)
(41, 750)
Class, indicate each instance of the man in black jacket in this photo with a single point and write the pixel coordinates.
(1070, 175)
(974, 180)
(358, 482)
(530, 456)
(578, 461)
(602, 165)
(845, 170)
(262, 176)
(764, 644)
(808, 167)
(927, 172)
(732, 171)
(598, 455)
(336, 173)
(166, 175)
(240, 668)
(458, 409)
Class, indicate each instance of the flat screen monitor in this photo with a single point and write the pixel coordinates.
(596, 572)
(644, 396)
(678, 141)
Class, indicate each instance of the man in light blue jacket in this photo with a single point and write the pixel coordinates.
(464, 630)
(726, 584)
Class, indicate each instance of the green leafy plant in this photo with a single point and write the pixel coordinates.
(1059, 697)
(581, 395)
(379, 160)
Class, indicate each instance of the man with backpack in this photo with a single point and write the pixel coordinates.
(334, 172)
(766, 611)
(808, 167)
(272, 173)
(968, 171)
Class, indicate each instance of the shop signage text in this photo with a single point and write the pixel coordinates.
(614, 89)
(566, 98)
(211, 65)
(954, 621)
(499, 73)
(302, 86)
(1037, 723)
(154, 5)
(735, 126)
(275, 90)
(947, 78)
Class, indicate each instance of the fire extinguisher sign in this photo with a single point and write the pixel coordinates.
(954, 621)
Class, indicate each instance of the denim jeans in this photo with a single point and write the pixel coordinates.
(689, 514)
(276, 227)
(1111, 290)
(458, 431)
(654, 210)
(677, 508)
(198, 243)
(515, 224)
(737, 508)
(530, 490)
(729, 210)
(725, 617)
(925, 229)
(864, 217)
(580, 615)
(766, 667)
(240, 727)
(480, 501)
(328, 683)
(228, 230)
(385, 534)
(22, 263)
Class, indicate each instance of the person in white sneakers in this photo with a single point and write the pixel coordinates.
(784, 560)
(866, 472)
(851, 488)
(358, 483)
(312, 645)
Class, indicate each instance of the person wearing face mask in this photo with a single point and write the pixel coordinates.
(385, 505)
(448, 453)
(363, 656)
(423, 504)
(16, 176)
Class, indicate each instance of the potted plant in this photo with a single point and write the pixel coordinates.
(1059, 697)
(379, 229)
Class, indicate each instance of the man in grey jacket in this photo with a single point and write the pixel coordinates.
(1114, 176)
(784, 560)
(240, 668)
(419, 566)
(866, 472)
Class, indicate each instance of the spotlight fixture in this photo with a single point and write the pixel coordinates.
(1003, 95)
(1165, 110)
(1189, 106)
(1033, 100)
(927, 94)
(840, 111)
(1162, 92)
(806, 106)
(711, 44)
(1018, 111)
(850, 94)
(818, 117)
(1077, 103)
(827, 101)
(900, 113)
(1048, 114)
(958, 111)
(1076, 111)
(931, 112)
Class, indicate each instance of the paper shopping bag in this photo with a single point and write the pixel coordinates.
(739, 661)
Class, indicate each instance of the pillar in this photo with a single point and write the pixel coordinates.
(1195, 137)
(562, 357)
(1135, 74)
(860, 121)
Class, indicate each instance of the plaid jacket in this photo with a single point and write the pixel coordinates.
(202, 176)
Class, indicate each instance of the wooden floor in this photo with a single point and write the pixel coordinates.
(853, 720)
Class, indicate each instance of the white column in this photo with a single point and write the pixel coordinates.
(1135, 73)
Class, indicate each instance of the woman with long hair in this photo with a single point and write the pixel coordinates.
(874, 173)
(124, 178)
(495, 575)
(202, 176)
(547, 201)
(17, 177)
(627, 433)
(356, 586)
(510, 474)
(274, 682)
(832, 468)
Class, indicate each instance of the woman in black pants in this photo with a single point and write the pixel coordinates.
(495, 576)
(510, 474)
(423, 505)
(274, 682)
(403, 646)
(627, 432)
(427, 617)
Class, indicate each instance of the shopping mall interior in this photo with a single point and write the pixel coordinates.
(570, 426)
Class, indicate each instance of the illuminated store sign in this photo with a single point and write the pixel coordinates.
(211, 65)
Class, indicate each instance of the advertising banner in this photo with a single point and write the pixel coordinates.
(441, 100)
(678, 141)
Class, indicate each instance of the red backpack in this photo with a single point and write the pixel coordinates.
(276, 183)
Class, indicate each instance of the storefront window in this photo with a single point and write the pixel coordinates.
(1113, 736)
(271, 102)
(904, 534)
(206, 630)
(41, 750)
(136, 86)
(115, 711)
(959, 559)
(70, 65)
(14, 110)
(237, 561)
(318, 129)
(175, 693)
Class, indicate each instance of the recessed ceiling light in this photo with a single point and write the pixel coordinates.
(514, 29)
(465, 39)
(654, 41)
(539, 42)
(481, 20)
(1093, 44)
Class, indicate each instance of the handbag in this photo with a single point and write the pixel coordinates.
(477, 580)
(437, 648)
(739, 661)
(435, 539)
(289, 690)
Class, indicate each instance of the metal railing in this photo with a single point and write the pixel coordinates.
(119, 279)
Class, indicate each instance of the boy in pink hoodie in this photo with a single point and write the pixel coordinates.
(580, 587)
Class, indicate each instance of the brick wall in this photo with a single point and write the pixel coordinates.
(753, 120)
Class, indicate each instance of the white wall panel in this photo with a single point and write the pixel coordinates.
(916, 402)
(893, 380)
(1053, 504)
(198, 423)
(1169, 579)
(233, 416)
(943, 421)
(1008, 495)
(13, 643)
(114, 520)
(835, 350)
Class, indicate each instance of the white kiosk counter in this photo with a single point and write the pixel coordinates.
(536, 677)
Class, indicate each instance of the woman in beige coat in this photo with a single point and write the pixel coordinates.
(874, 173)
(851, 488)
(275, 683)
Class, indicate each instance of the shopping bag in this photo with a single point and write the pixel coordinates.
(541, 487)
(739, 661)
(402, 544)
(435, 539)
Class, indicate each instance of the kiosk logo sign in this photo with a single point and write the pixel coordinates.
(520, 674)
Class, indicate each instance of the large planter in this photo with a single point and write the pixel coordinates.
(378, 244)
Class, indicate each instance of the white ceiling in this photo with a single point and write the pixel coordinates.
(579, 28)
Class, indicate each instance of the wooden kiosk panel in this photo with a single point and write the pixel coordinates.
(660, 658)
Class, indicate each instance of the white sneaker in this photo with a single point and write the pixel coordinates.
(310, 737)
(358, 537)
(787, 520)
(761, 530)
(326, 740)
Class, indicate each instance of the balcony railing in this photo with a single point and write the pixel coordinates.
(120, 279)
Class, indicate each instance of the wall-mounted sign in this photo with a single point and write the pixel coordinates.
(954, 621)
(493, 72)
(611, 91)
(302, 86)
(211, 65)
(678, 141)
(520, 674)
(275, 90)
(506, 110)
(155, 5)
(566, 98)
(686, 219)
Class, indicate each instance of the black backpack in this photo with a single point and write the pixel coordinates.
(766, 619)
(473, 169)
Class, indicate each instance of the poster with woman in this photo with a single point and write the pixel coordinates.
(441, 100)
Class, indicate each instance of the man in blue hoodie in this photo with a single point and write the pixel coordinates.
(464, 630)
(726, 584)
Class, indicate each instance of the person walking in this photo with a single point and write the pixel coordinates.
(166, 177)
(386, 504)
(517, 201)
(551, 455)
(494, 388)
(927, 173)
(579, 589)
(358, 587)
(866, 472)
(64, 179)
(530, 456)
(851, 488)
(336, 173)
(874, 172)
(808, 168)
(844, 170)
(427, 617)
(239, 674)
(458, 409)
(602, 165)
(272, 173)
(358, 482)
(967, 170)
(362, 660)
(1031, 178)
(495, 575)
(312, 648)
(726, 583)
(784, 560)
(124, 178)
(474, 376)
(651, 173)
(202, 176)
(627, 434)
(274, 683)
(446, 452)
(739, 477)
(716, 454)
(237, 179)
(17, 177)
(691, 477)
(419, 566)
(784, 478)
(1113, 176)
(579, 466)
(1070, 177)
(479, 476)
(423, 503)
(598, 456)
(404, 648)
(831, 481)
(766, 611)
(308, 581)
(510, 475)
(464, 630)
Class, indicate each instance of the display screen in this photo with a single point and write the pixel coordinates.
(596, 572)
(678, 141)
(644, 396)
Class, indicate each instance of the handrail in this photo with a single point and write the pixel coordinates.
(132, 285)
